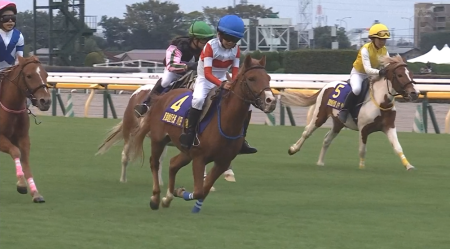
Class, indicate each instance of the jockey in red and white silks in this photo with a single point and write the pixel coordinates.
(218, 56)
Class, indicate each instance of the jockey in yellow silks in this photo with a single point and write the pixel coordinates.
(366, 64)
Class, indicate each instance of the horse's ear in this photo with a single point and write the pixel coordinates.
(248, 61)
(262, 61)
(229, 77)
(20, 58)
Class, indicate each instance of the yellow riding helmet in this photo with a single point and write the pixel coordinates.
(379, 31)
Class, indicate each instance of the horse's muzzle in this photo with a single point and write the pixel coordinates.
(270, 102)
(43, 104)
(413, 96)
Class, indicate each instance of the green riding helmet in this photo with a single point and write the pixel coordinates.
(200, 30)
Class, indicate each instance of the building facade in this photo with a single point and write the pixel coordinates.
(430, 17)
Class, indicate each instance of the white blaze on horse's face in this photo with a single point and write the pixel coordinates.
(270, 102)
(38, 71)
(409, 78)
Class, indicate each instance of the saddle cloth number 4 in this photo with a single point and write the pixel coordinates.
(177, 105)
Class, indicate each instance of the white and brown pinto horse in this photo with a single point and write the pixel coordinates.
(375, 112)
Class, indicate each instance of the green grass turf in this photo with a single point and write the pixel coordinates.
(278, 201)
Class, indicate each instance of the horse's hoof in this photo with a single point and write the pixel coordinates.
(410, 168)
(212, 189)
(291, 151)
(320, 164)
(165, 202)
(22, 190)
(195, 210)
(230, 178)
(38, 199)
(154, 205)
(178, 192)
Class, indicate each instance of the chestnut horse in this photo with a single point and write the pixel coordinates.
(125, 128)
(375, 110)
(28, 79)
(220, 140)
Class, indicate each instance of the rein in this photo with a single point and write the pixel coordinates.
(256, 102)
(372, 97)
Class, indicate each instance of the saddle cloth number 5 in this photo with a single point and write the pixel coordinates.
(338, 90)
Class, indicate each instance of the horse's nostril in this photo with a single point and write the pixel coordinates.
(268, 100)
(42, 102)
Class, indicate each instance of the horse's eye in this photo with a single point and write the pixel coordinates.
(400, 75)
(251, 79)
(29, 76)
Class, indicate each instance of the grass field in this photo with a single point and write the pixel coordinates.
(278, 201)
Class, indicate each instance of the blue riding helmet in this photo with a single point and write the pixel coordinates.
(231, 25)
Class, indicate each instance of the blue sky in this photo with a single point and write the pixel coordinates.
(362, 13)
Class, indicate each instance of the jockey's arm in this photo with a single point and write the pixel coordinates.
(366, 63)
(173, 59)
(19, 48)
(236, 61)
(208, 63)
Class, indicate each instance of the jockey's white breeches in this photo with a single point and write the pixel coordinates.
(201, 90)
(169, 77)
(356, 79)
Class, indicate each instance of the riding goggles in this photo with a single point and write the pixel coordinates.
(230, 38)
(7, 18)
(383, 33)
(205, 40)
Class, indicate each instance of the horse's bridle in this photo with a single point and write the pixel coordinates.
(29, 92)
(246, 89)
(402, 87)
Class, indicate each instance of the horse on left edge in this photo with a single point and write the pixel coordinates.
(27, 79)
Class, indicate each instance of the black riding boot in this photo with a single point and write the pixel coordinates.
(141, 109)
(349, 102)
(186, 139)
(246, 148)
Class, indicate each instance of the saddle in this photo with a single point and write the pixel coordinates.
(186, 81)
(365, 85)
(339, 96)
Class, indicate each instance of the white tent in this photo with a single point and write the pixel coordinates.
(444, 56)
(428, 57)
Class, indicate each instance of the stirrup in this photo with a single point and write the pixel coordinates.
(343, 114)
(141, 109)
(247, 149)
(187, 140)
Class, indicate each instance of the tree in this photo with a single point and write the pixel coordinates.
(93, 58)
(154, 24)
(438, 39)
(115, 30)
(251, 12)
(25, 23)
(190, 17)
(213, 15)
(322, 38)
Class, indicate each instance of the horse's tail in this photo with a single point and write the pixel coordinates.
(296, 98)
(137, 137)
(114, 136)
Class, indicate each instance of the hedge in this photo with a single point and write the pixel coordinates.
(327, 61)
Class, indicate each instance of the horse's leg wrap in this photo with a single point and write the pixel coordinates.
(32, 185)
(19, 170)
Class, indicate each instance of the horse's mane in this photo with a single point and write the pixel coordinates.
(8, 70)
(242, 69)
(385, 61)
